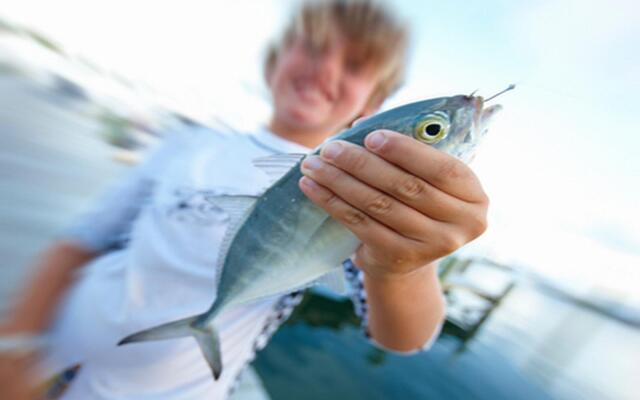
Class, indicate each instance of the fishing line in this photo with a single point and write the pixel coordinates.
(510, 87)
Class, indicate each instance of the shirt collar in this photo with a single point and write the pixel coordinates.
(265, 138)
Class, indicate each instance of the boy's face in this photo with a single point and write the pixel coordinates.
(320, 89)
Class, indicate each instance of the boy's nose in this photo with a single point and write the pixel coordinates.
(328, 68)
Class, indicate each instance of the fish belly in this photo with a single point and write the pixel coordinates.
(322, 253)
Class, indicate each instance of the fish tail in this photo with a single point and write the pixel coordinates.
(209, 342)
(172, 330)
(197, 327)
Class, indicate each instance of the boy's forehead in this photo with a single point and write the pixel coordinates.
(358, 48)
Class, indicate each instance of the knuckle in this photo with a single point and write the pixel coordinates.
(380, 205)
(450, 243)
(452, 169)
(483, 199)
(411, 188)
(477, 195)
(355, 160)
(332, 201)
(353, 217)
(330, 173)
(478, 225)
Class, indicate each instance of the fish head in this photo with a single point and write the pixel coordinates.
(455, 125)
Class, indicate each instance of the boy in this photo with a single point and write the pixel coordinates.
(408, 204)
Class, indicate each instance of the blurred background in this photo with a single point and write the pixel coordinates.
(544, 305)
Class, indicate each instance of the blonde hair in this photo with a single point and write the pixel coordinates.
(375, 35)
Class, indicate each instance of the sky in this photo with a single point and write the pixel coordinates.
(561, 162)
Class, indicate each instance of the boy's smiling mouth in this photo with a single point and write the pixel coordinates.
(310, 90)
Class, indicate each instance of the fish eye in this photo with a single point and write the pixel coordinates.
(432, 129)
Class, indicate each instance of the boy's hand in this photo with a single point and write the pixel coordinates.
(15, 382)
(408, 203)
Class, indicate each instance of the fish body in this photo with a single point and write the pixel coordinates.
(281, 241)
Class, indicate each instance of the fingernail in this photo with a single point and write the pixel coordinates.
(311, 163)
(331, 150)
(375, 140)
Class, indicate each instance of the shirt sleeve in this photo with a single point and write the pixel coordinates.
(107, 224)
(355, 280)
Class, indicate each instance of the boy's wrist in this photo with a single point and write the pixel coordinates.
(386, 277)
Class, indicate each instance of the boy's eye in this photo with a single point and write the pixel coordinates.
(312, 47)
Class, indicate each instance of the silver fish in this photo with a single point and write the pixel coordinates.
(281, 241)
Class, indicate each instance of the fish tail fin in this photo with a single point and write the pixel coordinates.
(204, 333)
(172, 330)
(209, 343)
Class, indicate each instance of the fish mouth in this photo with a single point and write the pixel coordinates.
(480, 118)
(477, 103)
(481, 115)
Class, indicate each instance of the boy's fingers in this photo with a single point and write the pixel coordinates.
(385, 209)
(439, 169)
(364, 227)
(385, 242)
(396, 182)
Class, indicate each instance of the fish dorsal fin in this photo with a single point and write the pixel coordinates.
(237, 208)
(276, 166)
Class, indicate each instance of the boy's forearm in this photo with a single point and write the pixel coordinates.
(404, 313)
(53, 274)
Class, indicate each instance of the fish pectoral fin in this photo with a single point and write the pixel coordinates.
(237, 209)
(276, 166)
(334, 280)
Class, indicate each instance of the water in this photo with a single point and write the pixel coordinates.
(312, 362)
(553, 350)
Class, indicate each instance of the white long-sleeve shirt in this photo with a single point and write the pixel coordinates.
(160, 238)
